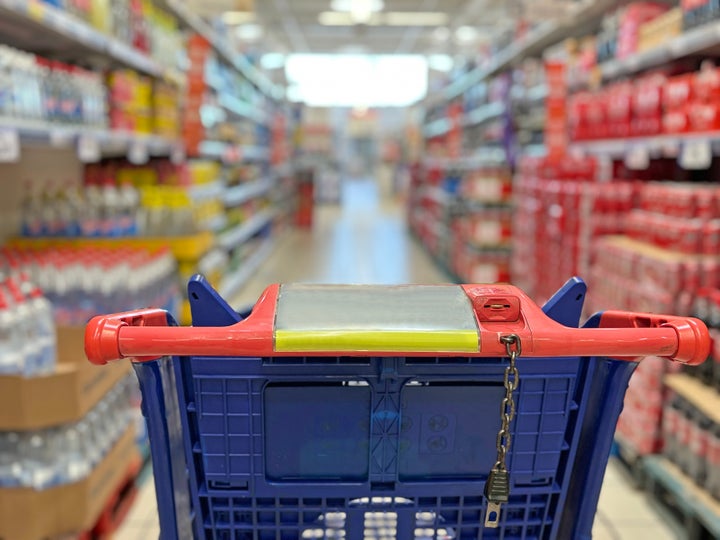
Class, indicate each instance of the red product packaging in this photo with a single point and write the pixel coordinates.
(704, 116)
(711, 237)
(619, 109)
(678, 91)
(706, 83)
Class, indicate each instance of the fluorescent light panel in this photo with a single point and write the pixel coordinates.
(390, 18)
(354, 80)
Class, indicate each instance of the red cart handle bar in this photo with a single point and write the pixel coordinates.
(499, 310)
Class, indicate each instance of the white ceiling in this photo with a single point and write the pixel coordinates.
(293, 26)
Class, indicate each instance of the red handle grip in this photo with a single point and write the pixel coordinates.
(144, 335)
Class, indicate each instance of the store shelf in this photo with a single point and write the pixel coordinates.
(239, 194)
(191, 20)
(545, 34)
(210, 190)
(230, 285)
(577, 22)
(437, 128)
(242, 109)
(185, 248)
(487, 157)
(36, 26)
(703, 397)
(668, 485)
(233, 153)
(484, 113)
(657, 145)
(41, 132)
(246, 230)
(701, 40)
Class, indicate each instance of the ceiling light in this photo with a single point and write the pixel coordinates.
(232, 18)
(361, 11)
(391, 18)
(466, 34)
(249, 32)
(415, 18)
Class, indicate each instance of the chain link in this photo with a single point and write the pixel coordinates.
(511, 379)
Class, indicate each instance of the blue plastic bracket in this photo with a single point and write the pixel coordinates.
(207, 307)
(566, 305)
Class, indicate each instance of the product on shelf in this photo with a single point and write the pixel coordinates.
(81, 282)
(38, 89)
(560, 211)
(142, 25)
(61, 455)
(119, 199)
(698, 12)
(166, 110)
(657, 31)
(28, 343)
(463, 218)
(639, 425)
(130, 101)
(657, 102)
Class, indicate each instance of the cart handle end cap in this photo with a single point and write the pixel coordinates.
(102, 340)
(693, 340)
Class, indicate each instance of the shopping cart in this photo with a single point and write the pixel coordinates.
(364, 412)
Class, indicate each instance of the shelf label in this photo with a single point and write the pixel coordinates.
(696, 155)
(637, 158)
(9, 146)
(138, 153)
(88, 149)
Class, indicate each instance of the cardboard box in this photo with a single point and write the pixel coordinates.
(65, 396)
(28, 514)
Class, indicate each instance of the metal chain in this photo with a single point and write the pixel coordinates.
(511, 379)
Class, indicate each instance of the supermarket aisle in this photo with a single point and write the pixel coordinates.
(364, 241)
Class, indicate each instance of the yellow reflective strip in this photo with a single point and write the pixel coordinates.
(355, 340)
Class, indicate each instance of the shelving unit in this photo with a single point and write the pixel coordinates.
(39, 23)
(40, 133)
(668, 145)
(693, 512)
(703, 397)
(697, 41)
(192, 21)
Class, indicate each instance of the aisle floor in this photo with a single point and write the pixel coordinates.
(364, 240)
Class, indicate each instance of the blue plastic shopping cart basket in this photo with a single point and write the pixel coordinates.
(364, 412)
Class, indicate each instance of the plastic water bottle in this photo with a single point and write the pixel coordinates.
(27, 341)
(10, 467)
(38, 469)
(45, 332)
(11, 353)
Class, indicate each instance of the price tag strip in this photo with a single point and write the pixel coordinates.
(9, 145)
(696, 155)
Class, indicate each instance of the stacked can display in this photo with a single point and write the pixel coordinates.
(463, 217)
(560, 211)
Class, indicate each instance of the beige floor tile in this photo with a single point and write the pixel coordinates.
(650, 531)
